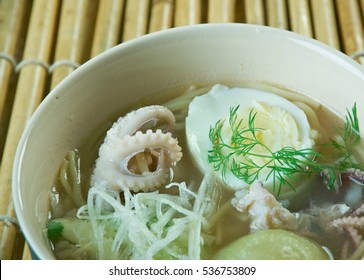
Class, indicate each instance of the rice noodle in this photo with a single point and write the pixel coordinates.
(310, 113)
(184, 99)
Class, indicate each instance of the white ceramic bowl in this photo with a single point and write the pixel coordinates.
(153, 63)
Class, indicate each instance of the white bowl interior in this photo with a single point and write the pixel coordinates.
(153, 63)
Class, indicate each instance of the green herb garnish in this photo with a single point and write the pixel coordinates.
(348, 137)
(281, 165)
(54, 230)
(238, 155)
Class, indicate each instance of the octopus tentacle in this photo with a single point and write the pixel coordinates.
(134, 120)
(350, 221)
(353, 226)
(123, 141)
(359, 210)
(355, 236)
(154, 140)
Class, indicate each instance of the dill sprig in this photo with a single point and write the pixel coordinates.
(239, 156)
(348, 137)
(281, 165)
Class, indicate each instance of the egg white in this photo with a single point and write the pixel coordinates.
(206, 110)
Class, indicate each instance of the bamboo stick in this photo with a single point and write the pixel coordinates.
(161, 15)
(362, 16)
(351, 27)
(136, 19)
(254, 12)
(187, 12)
(13, 15)
(324, 20)
(108, 25)
(221, 11)
(26, 253)
(29, 93)
(277, 15)
(300, 17)
(74, 37)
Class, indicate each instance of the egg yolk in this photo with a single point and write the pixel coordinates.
(274, 130)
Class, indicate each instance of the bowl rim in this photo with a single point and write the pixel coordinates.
(86, 66)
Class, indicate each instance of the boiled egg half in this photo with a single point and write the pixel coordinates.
(278, 123)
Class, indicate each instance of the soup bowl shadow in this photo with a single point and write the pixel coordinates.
(158, 62)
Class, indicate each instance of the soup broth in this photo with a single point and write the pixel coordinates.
(308, 206)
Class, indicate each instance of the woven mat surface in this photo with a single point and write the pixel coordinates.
(42, 41)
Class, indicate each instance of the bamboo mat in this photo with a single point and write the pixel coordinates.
(42, 41)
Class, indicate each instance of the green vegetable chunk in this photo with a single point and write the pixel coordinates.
(54, 230)
(273, 244)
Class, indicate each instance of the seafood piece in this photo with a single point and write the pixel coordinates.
(264, 210)
(339, 180)
(353, 225)
(133, 121)
(123, 142)
(355, 175)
